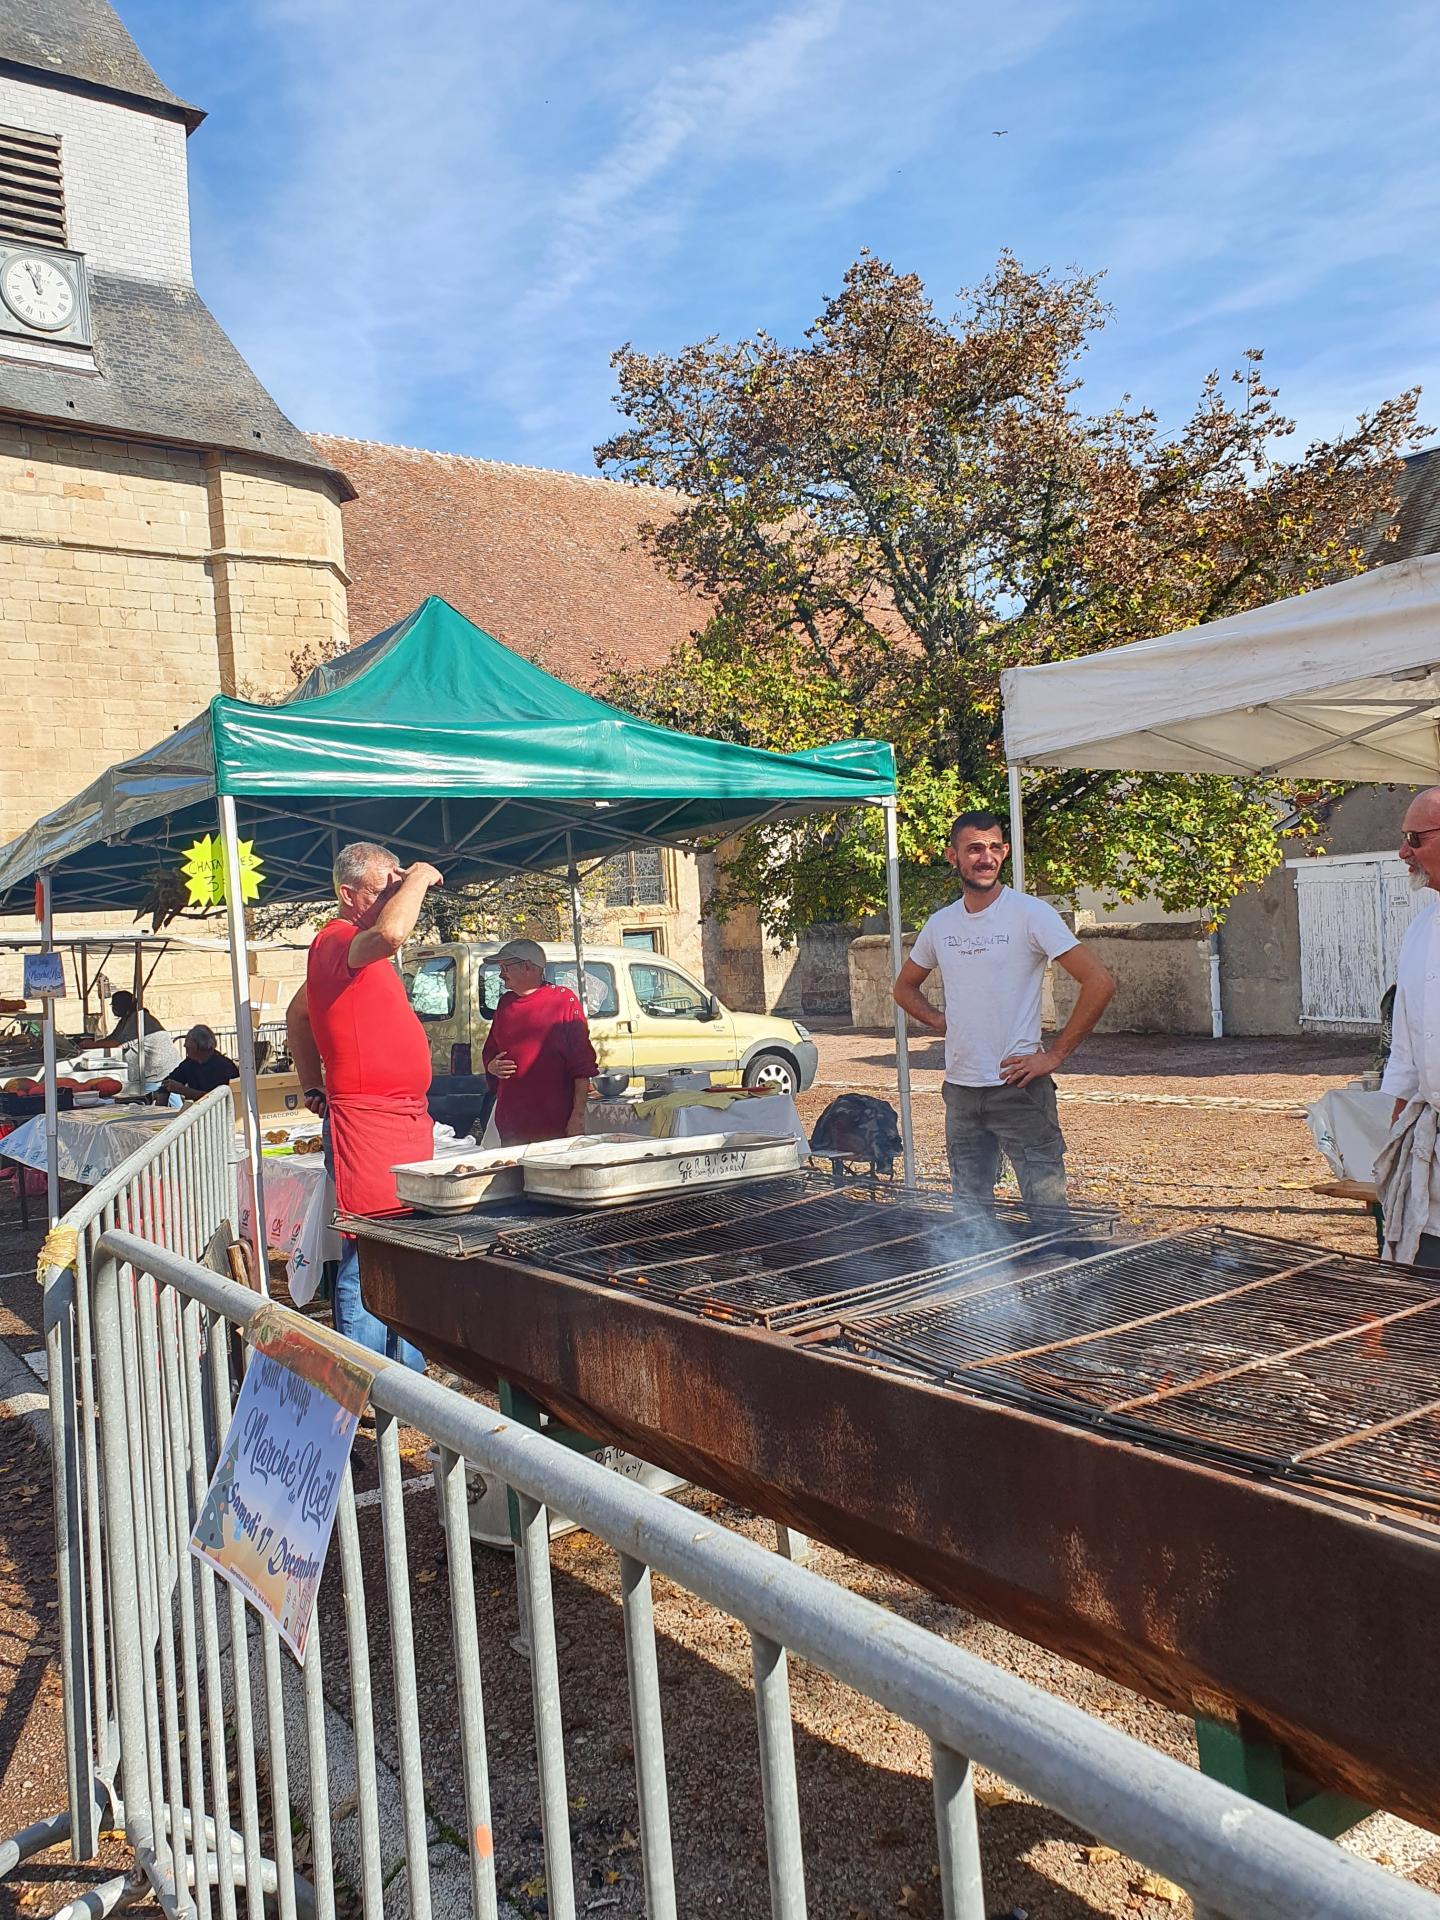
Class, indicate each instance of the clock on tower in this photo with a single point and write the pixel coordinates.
(43, 293)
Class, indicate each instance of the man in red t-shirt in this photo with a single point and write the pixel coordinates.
(375, 1056)
(538, 1049)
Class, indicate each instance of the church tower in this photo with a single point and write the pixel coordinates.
(165, 532)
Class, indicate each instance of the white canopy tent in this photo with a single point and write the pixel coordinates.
(1339, 684)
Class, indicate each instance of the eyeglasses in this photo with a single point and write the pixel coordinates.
(1411, 837)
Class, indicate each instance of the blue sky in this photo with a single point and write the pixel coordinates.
(432, 221)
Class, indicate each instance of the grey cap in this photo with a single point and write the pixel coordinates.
(530, 951)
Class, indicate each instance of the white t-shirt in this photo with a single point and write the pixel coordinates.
(993, 965)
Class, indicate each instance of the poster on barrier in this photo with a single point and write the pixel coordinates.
(266, 1520)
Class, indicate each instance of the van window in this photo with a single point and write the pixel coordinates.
(601, 1000)
(431, 986)
(664, 993)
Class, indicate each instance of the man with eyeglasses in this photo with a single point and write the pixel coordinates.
(1407, 1171)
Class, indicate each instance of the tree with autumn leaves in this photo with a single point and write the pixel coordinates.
(889, 514)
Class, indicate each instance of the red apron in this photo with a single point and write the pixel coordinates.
(369, 1136)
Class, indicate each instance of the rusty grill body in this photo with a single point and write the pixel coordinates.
(1165, 1460)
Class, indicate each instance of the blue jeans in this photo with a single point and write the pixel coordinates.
(355, 1320)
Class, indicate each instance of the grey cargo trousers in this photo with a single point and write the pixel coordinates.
(981, 1122)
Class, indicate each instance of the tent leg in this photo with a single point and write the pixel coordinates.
(897, 960)
(52, 1103)
(577, 932)
(1017, 830)
(245, 1035)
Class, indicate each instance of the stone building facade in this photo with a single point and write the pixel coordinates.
(167, 532)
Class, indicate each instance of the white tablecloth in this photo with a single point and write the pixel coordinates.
(1350, 1125)
(90, 1142)
(771, 1113)
(299, 1195)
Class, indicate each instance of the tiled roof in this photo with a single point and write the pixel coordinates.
(1419, 515)
(550, 563)
(86, 43)
(167, 372)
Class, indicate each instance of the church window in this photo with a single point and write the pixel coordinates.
(32, 191)
(635, 879)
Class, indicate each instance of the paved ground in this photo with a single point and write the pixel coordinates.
(863, 1774)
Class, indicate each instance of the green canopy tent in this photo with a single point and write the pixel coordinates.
(437, 740)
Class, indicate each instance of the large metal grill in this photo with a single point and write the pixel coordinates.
(1286, 1359)
(793, 1253)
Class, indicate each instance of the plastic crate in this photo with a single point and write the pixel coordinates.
(24, 1106)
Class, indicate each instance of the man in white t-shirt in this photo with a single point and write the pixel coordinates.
(992, 947)
(1412, 1072)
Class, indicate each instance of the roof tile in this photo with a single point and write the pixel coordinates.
(550, 563)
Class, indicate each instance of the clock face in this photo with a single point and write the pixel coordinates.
(37, 292)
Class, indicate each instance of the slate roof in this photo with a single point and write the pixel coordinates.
(167, 372)
(1419, 515)
(550, 563)
(86, 43)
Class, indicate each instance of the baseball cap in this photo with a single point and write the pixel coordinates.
(530, 951)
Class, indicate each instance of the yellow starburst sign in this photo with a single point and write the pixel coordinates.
(203, 869)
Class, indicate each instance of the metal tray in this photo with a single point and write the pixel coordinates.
(601, 1174)
(489, 1173)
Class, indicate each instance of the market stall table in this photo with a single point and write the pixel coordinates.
(92, 1141)
(299, 1198)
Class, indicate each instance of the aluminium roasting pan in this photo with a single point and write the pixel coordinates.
(606, 1174)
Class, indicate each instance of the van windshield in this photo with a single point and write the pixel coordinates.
(430, 984)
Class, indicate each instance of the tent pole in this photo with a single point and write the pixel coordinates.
(577, 931)
(245, 1035)
(1017, 829)
(897, 960)
(52, 1103)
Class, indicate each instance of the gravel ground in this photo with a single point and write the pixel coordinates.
(863, 1775)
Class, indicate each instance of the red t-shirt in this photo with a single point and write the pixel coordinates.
(545, 1034)
(369, 1037)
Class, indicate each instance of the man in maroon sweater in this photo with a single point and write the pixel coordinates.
(538, 1050)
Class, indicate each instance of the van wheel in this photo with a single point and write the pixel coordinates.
(776, 1072)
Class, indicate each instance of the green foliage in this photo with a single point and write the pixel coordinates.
(888, 515)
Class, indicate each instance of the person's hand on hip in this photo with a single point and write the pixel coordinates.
(502, 1066)
(1019, 1069)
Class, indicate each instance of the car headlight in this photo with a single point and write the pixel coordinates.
(804, 1032)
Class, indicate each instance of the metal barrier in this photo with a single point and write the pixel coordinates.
(198, 1695)
(176, 1191)
(273, 1034)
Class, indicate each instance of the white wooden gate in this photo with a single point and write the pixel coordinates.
(1354, 909)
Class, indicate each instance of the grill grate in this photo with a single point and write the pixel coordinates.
(1290, 1360)
(791, 1253)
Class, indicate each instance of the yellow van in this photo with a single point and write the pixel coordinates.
(646, 1015)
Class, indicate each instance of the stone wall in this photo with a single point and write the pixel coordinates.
(135, 582)
(871, 980)
(1162, 981)
(1162, 978)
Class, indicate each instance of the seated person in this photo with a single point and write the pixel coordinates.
(130, 1021)
(202, 1070)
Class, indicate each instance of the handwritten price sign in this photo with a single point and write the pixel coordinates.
(266, 1521)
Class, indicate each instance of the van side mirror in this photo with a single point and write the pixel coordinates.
(712, 1008)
